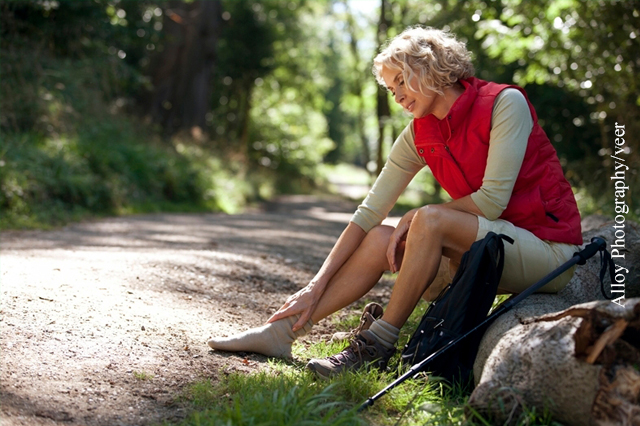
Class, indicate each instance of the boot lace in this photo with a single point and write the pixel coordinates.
(354, 354)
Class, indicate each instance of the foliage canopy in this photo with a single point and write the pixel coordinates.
(275, 87)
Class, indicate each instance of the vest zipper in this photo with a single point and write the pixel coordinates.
(446, 148)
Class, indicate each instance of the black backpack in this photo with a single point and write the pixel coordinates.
(461, 306)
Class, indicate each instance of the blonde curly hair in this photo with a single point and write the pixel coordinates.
(431, 58)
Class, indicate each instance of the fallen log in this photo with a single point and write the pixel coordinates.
(527, 360)
(580, 364)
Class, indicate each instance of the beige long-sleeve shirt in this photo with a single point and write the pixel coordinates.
(511, 125)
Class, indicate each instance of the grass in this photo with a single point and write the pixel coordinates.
(285, 393)
(141, 375)
(278, 397)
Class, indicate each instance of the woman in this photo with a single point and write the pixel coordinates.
(483, 144)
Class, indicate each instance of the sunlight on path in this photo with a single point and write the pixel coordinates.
(104, 322)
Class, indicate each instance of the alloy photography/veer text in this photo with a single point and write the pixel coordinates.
(618, 248)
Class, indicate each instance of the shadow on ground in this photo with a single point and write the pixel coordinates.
(105, 322)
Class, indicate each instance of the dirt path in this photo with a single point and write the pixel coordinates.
(105, 323)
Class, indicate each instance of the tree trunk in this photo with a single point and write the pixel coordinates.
(357, 87)
(244, 114)
(184, 68)
(382, 100)
(383, 117)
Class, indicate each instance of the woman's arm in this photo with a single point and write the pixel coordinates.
(401, 166)
(511, 126)
(465, 204)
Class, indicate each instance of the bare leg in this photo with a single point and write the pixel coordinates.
(435, 231)
(358, 275)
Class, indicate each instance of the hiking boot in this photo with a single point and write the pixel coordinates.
(363, 351)
(372, 312)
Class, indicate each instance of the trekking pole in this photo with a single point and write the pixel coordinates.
(597, 244)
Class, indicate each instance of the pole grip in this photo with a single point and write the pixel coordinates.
(590, 250)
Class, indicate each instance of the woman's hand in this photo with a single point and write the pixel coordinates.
(303, 302)
(395, 250)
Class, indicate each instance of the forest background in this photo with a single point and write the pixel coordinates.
(114, 107)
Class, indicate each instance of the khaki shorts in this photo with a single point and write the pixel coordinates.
(526, 261)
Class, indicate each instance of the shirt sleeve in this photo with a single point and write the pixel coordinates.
(511, 126)
(402, 165)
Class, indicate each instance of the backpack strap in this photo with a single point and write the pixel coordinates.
(501, 249)
(605, 261)
(506, 238)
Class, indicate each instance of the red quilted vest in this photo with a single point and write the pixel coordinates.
(456, 149)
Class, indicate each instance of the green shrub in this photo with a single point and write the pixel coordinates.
(109, 168)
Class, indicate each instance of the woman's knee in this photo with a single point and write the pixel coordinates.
(429, 217)
(455, 230)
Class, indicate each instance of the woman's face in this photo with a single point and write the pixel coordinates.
(413, 102)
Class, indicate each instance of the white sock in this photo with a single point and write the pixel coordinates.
(385, 333)
(273, 339)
